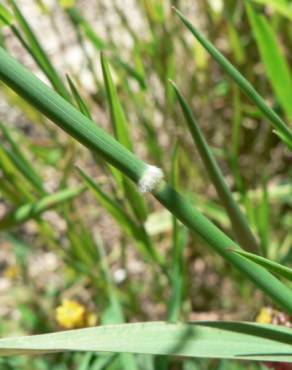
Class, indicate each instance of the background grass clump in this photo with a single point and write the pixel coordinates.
(204, 93)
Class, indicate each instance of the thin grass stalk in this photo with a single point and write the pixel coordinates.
(238, 220)
(85, 131)
(21, 162)
(38, 53)
(14, 176)
(272, 266)
(281, 128)
(127, 360)
(33, 210)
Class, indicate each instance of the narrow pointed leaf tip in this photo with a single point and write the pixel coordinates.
(150, 179)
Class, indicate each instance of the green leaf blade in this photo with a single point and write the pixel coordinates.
(32, 210)
(80, 127)
(239, 223)
(5, 16)
(249, 90)
(233, 340)
(273, 58)
(122, 133)
(38, 53)
(272, 266)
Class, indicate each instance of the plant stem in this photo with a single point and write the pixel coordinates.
(85, 131)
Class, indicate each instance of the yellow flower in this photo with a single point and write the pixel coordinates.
(264, 316)
(12, 272)
(71, 314)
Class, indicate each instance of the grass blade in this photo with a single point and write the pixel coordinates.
(82, 251)
(121, 129)
(9, 191)
(264, 219)
(32, 210)
(82, 105)
(131, 71)
(129, 226)
(5, 16)
(177, 276)
(233, 340)
(279, 125)
(86, 27)
(179, 241)
(273, 58)
(240, 226)
(120, 125)
(71, 120)
(21, 162)
(80, 127)
(13, 176)
(117, 315)
(39, 53)
(283, 7)
(272, 266)
(219, 241)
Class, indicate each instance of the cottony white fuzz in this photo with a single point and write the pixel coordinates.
(150, 179)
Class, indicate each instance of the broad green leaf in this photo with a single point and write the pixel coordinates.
(281, 128)
(233, 340)
(272, 266)
(273, 57)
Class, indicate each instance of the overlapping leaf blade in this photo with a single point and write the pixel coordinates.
(273, 57)
(80, 127)
(270, 265)
(238, 220)
(281, 128)
(233, 340)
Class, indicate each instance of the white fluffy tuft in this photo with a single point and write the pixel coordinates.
(150, 179)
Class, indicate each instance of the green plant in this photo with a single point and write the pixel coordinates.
(120, 181)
